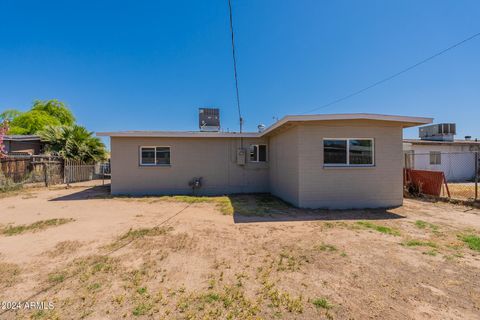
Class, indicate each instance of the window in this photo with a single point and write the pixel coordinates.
(154, 156)
(435, 157)
(258, 152)
(348, 152)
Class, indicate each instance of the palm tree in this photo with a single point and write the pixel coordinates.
(73, 142)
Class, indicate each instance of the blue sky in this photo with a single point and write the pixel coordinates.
(124, 65)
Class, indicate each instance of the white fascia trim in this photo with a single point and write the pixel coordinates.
(186, 134)
(408, 121)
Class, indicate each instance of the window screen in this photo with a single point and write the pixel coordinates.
(258, 152)
(148, 156)
(354, 152)
(360, 152)
(335, 151)
(163, 155)
(262, 152)
(253, 153)
(155, 155)
(435, 157)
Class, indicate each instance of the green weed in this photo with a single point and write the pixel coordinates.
(473, 241)
(379, 228)
(36, 226)
(418, 243)
(322, 303)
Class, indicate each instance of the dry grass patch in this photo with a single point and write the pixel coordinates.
(9, 273)
(259, 205)
(64, 247)
(134, 234)
(36, 226)
(419, 243)
(325, 247)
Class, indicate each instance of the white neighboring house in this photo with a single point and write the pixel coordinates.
(456, 158)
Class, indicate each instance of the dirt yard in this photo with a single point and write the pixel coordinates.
(461, 191)
(92, 256)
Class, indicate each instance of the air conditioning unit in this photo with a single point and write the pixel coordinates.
(209, 119)
(438, 132)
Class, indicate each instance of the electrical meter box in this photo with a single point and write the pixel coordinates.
(241, 156)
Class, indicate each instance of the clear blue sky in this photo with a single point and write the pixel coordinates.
(124, 65)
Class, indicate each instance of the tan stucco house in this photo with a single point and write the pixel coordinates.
(335, 161)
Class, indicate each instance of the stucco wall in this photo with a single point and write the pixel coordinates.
(294, 171)
(214, 159)
(284, 171)
(350, 187)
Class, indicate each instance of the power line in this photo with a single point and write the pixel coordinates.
(394, 75)
(235, 65)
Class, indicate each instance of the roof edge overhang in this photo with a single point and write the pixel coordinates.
(404, 121)
(440, 142)
(178, 134)
(21, 138)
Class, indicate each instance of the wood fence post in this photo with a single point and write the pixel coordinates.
(45, 174)
(476, 175)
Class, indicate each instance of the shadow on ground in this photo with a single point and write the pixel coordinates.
(251, 208)
(97, 192)
(267, 208)
(318, 215)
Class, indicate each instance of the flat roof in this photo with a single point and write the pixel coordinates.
(179, 134)
(404, 120)
(21, 137)
(432, 142)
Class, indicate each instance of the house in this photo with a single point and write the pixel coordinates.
(332, 161)
(438, 150)
(20, 145)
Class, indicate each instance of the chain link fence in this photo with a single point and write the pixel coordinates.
(454, 175)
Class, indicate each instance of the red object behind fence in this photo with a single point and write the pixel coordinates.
(427, 182)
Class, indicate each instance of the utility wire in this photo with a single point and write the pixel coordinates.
(235, 65)
(393, 75)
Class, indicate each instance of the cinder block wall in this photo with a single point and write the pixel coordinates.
(213, 159)
(350, 187)
(284, 162)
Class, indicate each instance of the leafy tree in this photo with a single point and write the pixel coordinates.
(43, 113)
(56, 109)
(9, 114)
(73, 142)
(31, 122)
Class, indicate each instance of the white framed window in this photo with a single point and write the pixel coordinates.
(258, 153)
(435, 158)
(154, 156)
(352, 152)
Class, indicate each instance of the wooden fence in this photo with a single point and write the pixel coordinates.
(47, 170)
(76, 171)
(33, 169)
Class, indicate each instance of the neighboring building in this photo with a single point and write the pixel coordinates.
(333, 161)
(23, 145)
(438, 150)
